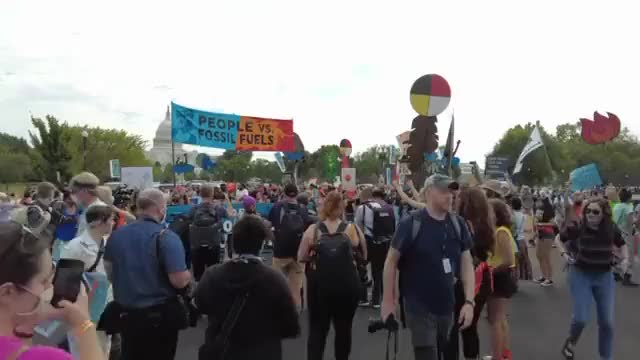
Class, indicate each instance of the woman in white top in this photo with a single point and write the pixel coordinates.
(88, 247)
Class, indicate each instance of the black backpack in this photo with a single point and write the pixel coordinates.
(333, 259)
(383, 224)
(206, 229)
(289, 232)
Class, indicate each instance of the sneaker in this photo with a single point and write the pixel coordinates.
(376, 306)
(567, 350)
(626, 281)
(540, 280)
(364, 303)
(547, 283)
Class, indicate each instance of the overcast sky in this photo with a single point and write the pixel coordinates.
(340, 69)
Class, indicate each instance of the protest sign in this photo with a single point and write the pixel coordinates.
(585, 178)
(496, 166)
(230, 131)
(348, 179)
(114, 168)
(137, 177)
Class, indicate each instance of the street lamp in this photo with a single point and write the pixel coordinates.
(85, 136)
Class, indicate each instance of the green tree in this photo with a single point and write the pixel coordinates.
(265, 170)
(167, 174)
(16, 167)
(16, 152)
(50, 143)
(371, 163)
(104, 145)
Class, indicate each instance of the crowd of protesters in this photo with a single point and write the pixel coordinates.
(453, 249)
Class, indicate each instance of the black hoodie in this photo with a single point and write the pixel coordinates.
(268, 316)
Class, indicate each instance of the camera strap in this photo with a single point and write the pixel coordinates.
(395, 344)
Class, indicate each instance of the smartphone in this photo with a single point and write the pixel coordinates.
(67, 280)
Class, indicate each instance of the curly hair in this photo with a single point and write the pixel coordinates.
(501, 212)
(474, 208)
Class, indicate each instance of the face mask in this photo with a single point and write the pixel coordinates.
(25, 321)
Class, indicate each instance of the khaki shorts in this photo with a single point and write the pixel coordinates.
(292, 269)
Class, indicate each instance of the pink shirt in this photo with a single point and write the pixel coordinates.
(9, 346)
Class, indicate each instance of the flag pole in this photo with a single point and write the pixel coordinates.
(546, 152)
(173, 151)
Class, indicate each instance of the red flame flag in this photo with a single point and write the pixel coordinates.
(601, 129)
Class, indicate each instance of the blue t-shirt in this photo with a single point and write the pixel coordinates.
(67, 231)
(137, 281)
(424, 284)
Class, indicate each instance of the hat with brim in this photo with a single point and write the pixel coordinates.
(496, 187)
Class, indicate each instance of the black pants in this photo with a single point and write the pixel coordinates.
(150, 343)
(324, 309)
(377, 257)
(202, 258)
(470, 339)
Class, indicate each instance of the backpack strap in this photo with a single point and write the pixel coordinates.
(341, 228)
(455, 221)
(98, 258)
(416, 217)
(221, 342)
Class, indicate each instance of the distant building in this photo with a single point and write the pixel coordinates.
(161, 150)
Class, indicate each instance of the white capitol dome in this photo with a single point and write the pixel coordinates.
(161, 149)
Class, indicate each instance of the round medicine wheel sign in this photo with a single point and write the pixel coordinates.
(430, 95)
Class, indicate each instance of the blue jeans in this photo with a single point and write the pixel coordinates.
(585, 287)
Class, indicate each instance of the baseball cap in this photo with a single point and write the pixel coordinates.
(291, 190)
(442, 182)
(248, 202)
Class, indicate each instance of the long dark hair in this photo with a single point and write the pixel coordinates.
(474, 208)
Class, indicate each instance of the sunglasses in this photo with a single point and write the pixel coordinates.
(592, 211)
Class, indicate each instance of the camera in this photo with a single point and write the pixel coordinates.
(376, 324)
(122, 196)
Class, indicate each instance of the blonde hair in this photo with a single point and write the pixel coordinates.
(4, 198)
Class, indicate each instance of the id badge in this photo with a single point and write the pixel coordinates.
(446, 264)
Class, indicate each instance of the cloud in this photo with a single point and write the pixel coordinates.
(339, 69)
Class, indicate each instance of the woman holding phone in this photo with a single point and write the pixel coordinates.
(26, 274)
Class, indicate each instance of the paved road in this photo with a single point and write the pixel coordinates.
(539, 319)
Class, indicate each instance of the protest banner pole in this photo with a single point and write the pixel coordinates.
(546, 153)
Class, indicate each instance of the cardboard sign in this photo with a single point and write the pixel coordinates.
(137, 177)
(585, 178)
(230, 131)
(348, 179)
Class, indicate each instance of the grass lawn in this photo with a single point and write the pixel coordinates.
(17, 188)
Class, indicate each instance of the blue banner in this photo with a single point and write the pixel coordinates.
(262, 208)
(195, 127)
(585, 178)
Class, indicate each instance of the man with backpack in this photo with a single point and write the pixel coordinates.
(205, 231)
(39, 216)
(377, 220)
(289, 220)
(431, 251)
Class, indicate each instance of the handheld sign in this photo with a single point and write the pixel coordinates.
(430, 95)
(585, 178)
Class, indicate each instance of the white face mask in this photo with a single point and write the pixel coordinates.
(25, 321)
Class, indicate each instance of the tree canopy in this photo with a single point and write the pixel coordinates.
(617, 160)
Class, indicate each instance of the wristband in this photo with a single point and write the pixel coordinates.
(82, 328)
(470, 302)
